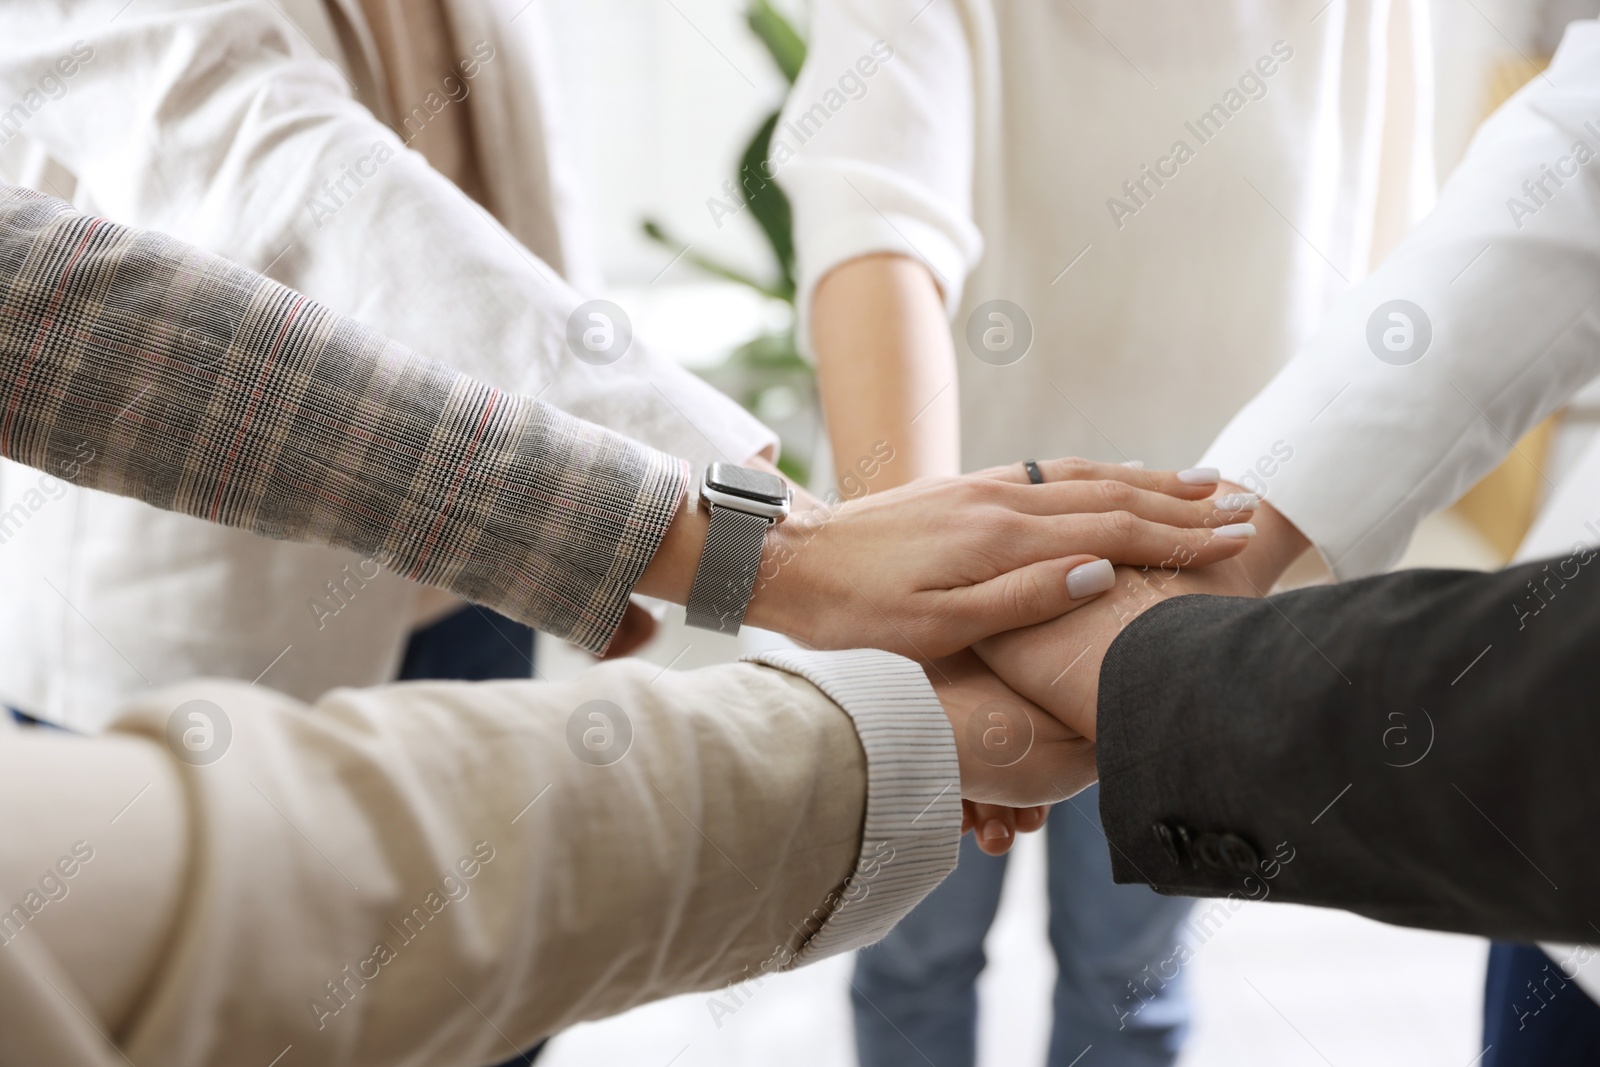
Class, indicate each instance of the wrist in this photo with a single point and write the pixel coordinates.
(778, 602)
(670, 573)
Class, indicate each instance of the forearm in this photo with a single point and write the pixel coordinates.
(96, 833)
(1394, 733)
(1432, 367)
(887, 372)
(246, 404)
(636, 834)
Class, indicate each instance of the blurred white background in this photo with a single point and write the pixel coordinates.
(660, 97)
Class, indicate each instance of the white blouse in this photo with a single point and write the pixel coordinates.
(1172, 192)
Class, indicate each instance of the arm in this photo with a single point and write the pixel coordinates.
(883, 231)
(1355, 450)
(629, 835)
(1456, 708)
(887, 371)
(199, 387)
(222, 124)
(136, 365)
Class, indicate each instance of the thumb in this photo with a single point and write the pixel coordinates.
(1036, 593)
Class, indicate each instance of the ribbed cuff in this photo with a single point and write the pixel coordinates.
(912, 830)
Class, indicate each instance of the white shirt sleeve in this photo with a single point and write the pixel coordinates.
(224, 125)
(1393, 410)
(875, 144)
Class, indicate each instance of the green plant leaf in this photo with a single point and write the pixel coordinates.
(784, 43)
(798, 470)
(657, 233)
(768, 203)
(771, 352)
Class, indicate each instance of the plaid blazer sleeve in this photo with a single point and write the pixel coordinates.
(135, 364)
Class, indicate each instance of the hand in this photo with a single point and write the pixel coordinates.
(1012, 754)
(930, 567)
(1057, 664)
(995, 827)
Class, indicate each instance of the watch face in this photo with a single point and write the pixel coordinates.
(747, 483)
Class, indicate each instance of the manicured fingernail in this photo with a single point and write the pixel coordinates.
(1136, 464)
(1237, 531)
(995, 831)
(1200, 476)
(1238, 502)
(1087, 579)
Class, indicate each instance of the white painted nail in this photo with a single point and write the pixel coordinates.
(1200, 476)
(1136, 464)
(1238, 530)
(1238, 502)
(1087, 579)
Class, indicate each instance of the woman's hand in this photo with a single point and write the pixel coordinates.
(931, 567)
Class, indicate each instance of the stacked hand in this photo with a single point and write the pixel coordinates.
(930, 568)
(1010, 594)
(1037, 700)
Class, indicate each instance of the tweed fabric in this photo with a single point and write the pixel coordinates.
(207, 389)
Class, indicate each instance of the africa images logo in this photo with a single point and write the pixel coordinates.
(1399, 332)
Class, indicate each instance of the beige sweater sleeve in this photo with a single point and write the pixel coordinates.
(442, 873)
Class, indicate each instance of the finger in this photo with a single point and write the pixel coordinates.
(1030, 820)
(1103, 495)
(1192, 484)
(1126, 539)
(1043, 591)
(1021, 820)
(994, 828)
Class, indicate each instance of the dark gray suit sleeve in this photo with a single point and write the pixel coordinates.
(1421, 748)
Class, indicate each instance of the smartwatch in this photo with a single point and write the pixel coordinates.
(744, 505)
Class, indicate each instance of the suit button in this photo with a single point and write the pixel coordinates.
(1227, 852)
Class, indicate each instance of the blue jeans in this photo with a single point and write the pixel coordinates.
(1533, 1015)
(914, 993)
(472, 645)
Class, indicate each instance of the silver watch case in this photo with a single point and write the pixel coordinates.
(774, 512)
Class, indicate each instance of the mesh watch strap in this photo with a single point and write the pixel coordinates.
(726, 577)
